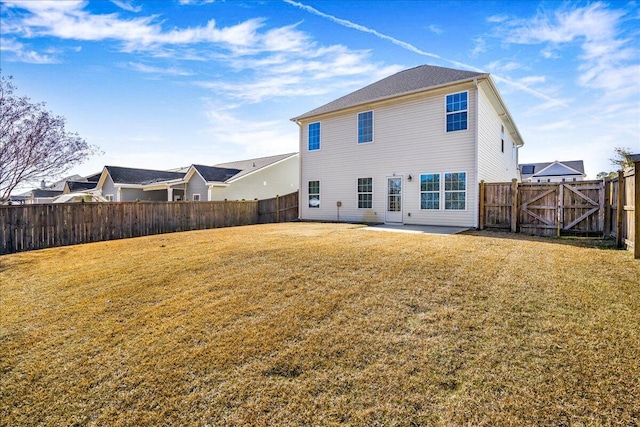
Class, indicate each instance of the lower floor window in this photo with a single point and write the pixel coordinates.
(196, 197)
(365, 193)
(430, 191)
(452, 186)
(109, 197)
(455, 190)
(314, 194)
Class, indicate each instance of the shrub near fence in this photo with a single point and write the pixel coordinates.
(43, 226)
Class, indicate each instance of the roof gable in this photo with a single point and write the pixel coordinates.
(404, 82)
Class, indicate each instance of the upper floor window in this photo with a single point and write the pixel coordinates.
(314, 136)
(365, 193)
(365, 127)
(457, 111)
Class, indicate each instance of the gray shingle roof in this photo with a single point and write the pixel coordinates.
(215, 174)
(81, 185)
(404, 82)
(39, 193)
(121, 175)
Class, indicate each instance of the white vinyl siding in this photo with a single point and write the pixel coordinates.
(494, 165)
(409, 140)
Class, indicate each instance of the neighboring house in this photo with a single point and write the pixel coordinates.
(42, 195)
(120, 184)
(259, 178)
(567, 171)
(411, 148)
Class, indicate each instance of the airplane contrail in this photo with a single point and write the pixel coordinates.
(414, 49)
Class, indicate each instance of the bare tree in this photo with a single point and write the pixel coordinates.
(622, 158)
(33, 142)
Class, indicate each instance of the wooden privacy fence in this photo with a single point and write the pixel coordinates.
(546, 209)
(584, 208)
(49, 225)
(279, 209)
(622, 213)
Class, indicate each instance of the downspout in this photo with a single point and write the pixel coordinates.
(476, 206)
(299, 170)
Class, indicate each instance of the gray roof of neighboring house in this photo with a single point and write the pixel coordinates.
(121, 175)
(81, 185)
(39, 193)
(635, 157)
(530, 169)
(94, 177)
(404, 82)
(215, 174)
(247, 166)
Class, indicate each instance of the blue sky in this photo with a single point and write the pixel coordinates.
(161, 84)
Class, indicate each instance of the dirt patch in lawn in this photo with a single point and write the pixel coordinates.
(320, 324)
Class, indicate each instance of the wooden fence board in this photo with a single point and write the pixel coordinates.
(49, 225)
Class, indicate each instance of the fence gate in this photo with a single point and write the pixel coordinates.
(571, 208)
(538, 208)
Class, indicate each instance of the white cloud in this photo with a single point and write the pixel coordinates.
(503, 66)
(127, 5)
(496, 19)
(435, 29)
(172, 71)
(70, 20)
(254, 137)
(608, 60)
(23, 54)
(480, 47)
(195, 2)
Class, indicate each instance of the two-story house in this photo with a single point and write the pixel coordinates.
(410, 148)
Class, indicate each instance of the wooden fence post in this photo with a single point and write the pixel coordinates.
(620, 209)
(514, 205)
(607, 189)
(636, 211)
(277, 208)
(560, 215)
(482, 218)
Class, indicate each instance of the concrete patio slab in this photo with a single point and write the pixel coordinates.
(423, 229)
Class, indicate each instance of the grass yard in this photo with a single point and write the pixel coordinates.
(320, 325)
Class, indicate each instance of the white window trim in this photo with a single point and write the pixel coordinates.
(373, 124)
(466, 192)
(319, 136)
(319, 194)
(358, 192)
(440, 191)
(109, 197)
(193, 197)
(461, 111)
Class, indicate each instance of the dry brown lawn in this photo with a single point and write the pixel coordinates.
(320, 325)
